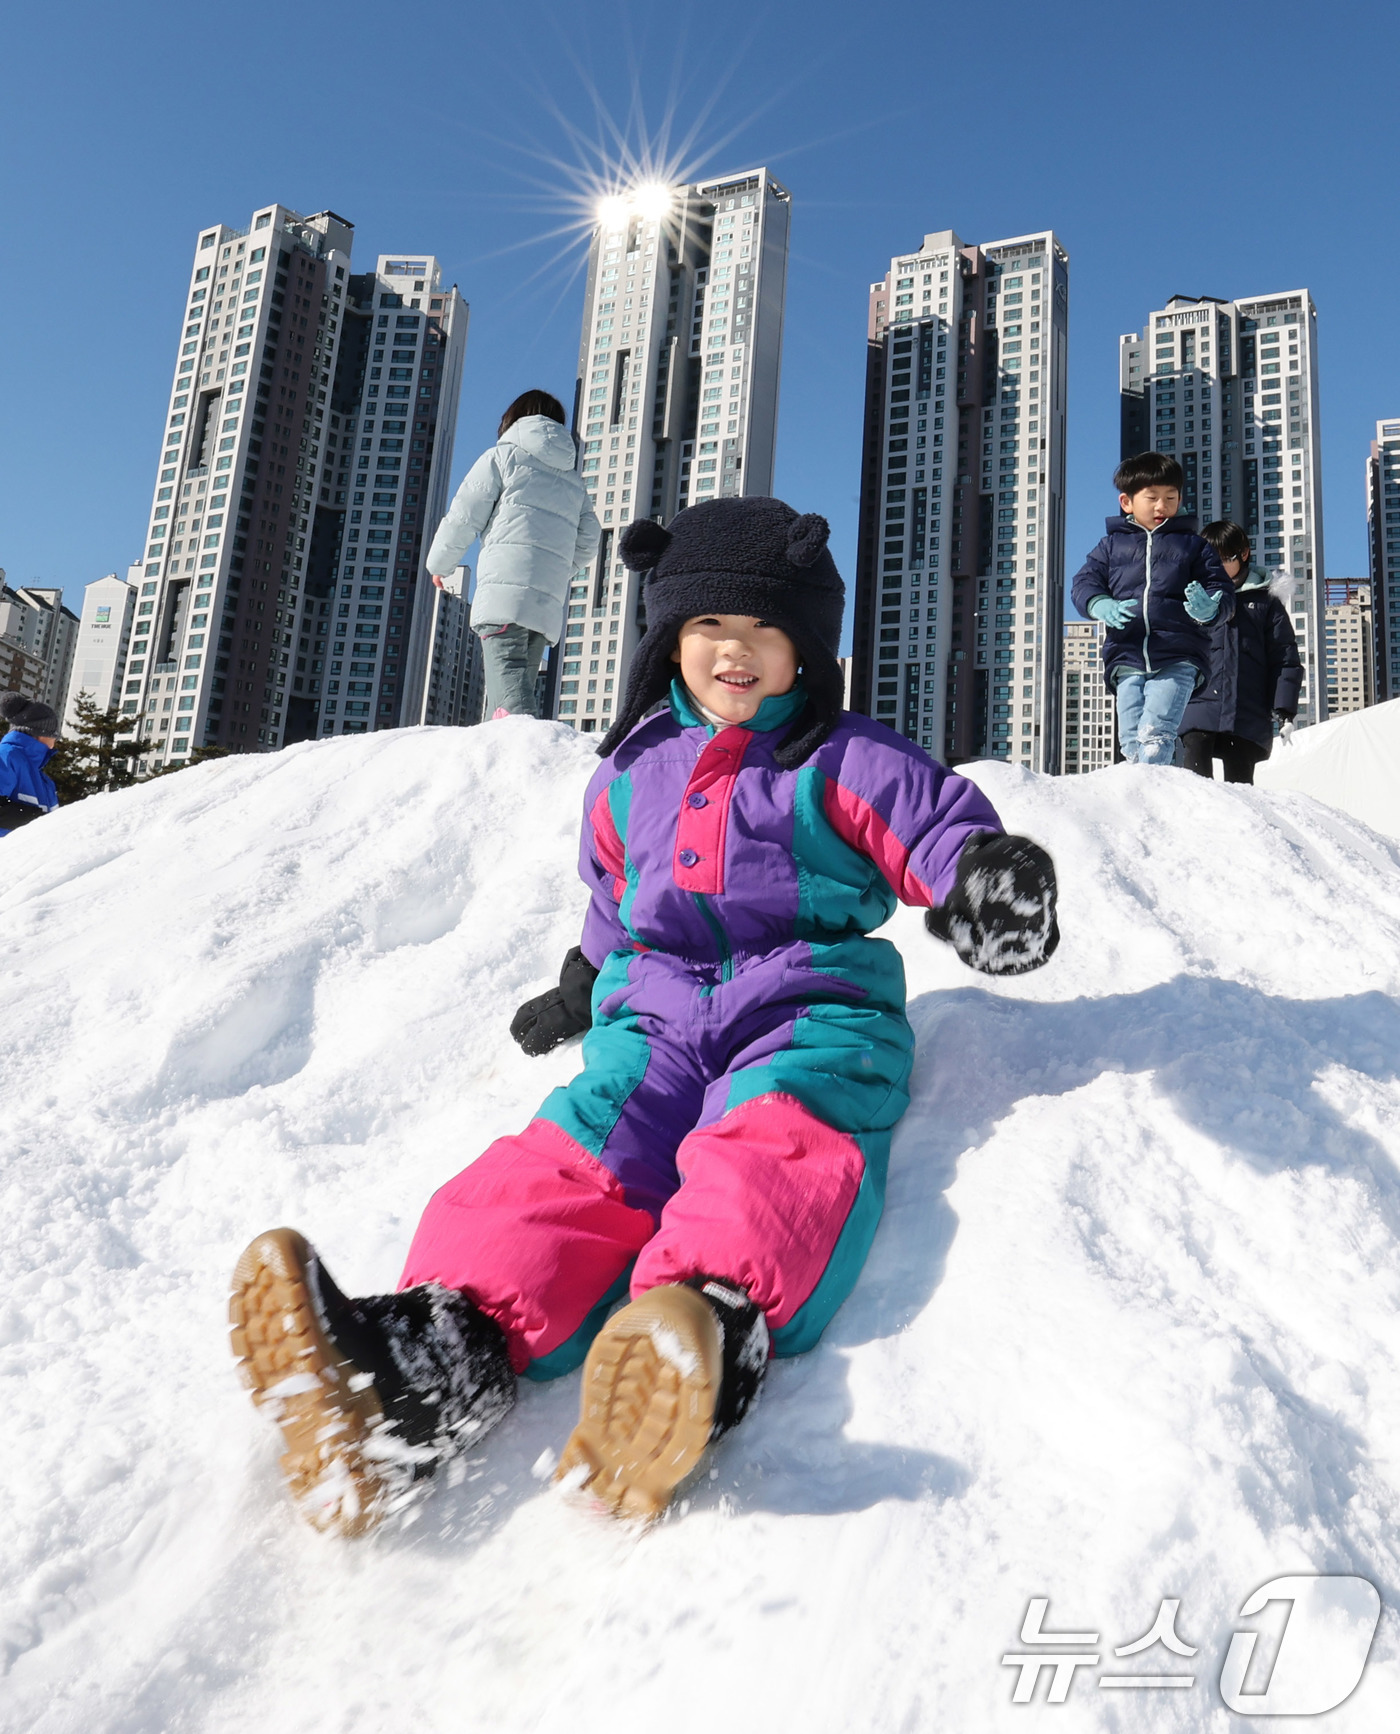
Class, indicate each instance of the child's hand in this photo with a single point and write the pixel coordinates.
(1201, 604)
(550, 1018)
(1000, 915)
(1113, 614)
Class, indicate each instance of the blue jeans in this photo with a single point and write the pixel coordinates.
(1150, 709)
(512, 656)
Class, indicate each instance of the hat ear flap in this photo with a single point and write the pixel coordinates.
(642, 544)
(807, 539)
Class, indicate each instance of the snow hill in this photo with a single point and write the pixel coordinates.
(1351, 762)
(1128, 1331)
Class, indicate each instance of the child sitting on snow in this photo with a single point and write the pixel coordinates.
(722, 1154)
(1156, 586)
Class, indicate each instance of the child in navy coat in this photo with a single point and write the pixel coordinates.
(1255, 672)
(1156, 586)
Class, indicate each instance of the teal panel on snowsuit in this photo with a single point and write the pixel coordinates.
(839, 890)
(803, 1330)
(849, 1063)
(616, 1055)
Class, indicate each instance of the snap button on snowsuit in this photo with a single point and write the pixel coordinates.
(696, 801)
(688, 857)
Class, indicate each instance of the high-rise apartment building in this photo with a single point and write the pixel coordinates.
(37, 634)
(1383, 512)
(1090, 716)
(1348, 645)
(380, 636)
(677, 395)
(959, 597)
(1229, 388)
(279, 431)
(104, 634)
(454, 690)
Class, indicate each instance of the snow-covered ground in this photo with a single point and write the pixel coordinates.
(1128, 1331)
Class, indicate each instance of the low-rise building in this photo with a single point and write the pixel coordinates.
(37, 634)
(1348, 645)
(104, 631)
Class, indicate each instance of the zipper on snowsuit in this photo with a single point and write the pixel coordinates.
(1146, 598)
(726, 956)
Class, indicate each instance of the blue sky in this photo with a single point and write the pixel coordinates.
(1228, 149)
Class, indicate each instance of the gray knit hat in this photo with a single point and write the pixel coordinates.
(752, 556)
(31, 716)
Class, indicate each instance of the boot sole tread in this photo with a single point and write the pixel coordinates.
(646, 1416)
(278, 1344)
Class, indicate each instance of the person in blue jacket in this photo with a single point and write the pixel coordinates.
(1157, 587)
(25, 792)
(1255, 673)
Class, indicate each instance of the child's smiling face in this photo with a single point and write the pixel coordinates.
(732, 662)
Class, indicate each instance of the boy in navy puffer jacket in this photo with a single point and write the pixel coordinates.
(1157, 587)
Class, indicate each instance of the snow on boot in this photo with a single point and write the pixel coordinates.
(744, 1348)
(667, 1374)
(370, 1394)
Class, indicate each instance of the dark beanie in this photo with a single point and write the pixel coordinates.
(30, 715)
(738, 556)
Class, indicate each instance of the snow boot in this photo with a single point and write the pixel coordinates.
(669, 1373)
(370, 1394)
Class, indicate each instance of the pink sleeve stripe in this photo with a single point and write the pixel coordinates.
(856, 822)
(607, 845)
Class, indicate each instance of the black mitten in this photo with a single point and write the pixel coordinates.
(567, 1010)
(1000, 915)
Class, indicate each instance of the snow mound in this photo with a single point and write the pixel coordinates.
(1128, 1331)
(1351, 762)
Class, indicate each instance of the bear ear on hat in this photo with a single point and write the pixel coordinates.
(807, 538)
(643, 543)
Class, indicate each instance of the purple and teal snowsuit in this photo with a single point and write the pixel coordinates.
(749, 1056)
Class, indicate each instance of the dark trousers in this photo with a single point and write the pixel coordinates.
(1238, 754)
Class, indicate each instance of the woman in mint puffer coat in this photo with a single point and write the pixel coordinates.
(526, 501)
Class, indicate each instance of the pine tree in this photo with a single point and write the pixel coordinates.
(90, 756)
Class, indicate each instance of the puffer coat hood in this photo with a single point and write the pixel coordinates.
(1153, 569)
(526, 501)
(1255, 668)
(543, 438)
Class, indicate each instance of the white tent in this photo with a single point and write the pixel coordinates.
(1352, 762)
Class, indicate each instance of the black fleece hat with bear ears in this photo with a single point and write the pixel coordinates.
(751, 556)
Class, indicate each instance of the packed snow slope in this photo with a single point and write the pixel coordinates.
(1351, 762)
(1128, 1331)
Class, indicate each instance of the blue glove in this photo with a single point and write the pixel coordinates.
(1201, 605)
(1113, 614)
